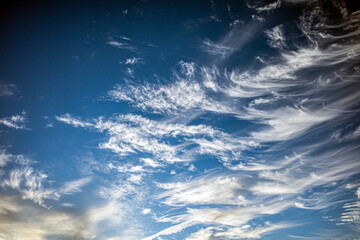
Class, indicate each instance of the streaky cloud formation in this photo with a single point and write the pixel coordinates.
(129, 134)
(17, 121)
(214, 120)
(31, 184)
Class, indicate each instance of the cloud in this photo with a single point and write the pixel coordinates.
(285, 157)
(121, 45)
(74, 186)
(17, 121)
(276, 37)
(7, 89)
(246, 232)
(151, 162)
(20, 220)
(351, 214)
(171, 230)
(129, 168)
(72, 121)
(265, 190)
(5, 157)
(215, 190)
(119, 191)
(29, 183)
(269, 7)
(180, 96)
(187, 68)
(20, 177)
(203, 234)
(132, 61)
(216, 216)
(233, 41)
(287, 123)
(35, 219)
(134, 134)
(216, 49)
(146, 211)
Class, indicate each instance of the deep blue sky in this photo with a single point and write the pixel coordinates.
(193, 120)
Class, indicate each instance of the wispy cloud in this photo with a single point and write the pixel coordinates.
(7, 89)
(216, 49)
(30, 183)
(177, 97)
(17, 121)
(132, 61)
(294, 153)
(122, 45)
(131, 134)
(73, 121)
(20, 220)
(265, 190)
(214, 190)
(74, 186)
(220, 217)
(286, 123)
(269, 7)
(276, 37)
(233, 41)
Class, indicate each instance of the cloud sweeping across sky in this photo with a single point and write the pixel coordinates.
(197, 121)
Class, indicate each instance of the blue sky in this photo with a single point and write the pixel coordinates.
(179, 120)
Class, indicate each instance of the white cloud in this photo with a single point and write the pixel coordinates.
(233, 41)
(33, 184)
(151, 162)
(72, 121)
(351, 213)
(132, 134)
(221, 217)
(216, 49)
(276, 37)
(128, 168)
(286, 123)
(215, 190)
(282, 102)
(177, 97)
(146, 211)
(74, 185)
(132, 61)
(171, 230)
(17, 121)
(135, 178)
(269, 7)
(4, 158)
(121, 45)
(203, 234)
(187, 68)
(117, 191)
(268, 189)
(248, 233)
(209, 76)
(30, 184)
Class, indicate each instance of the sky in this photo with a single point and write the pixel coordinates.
(166, 120)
